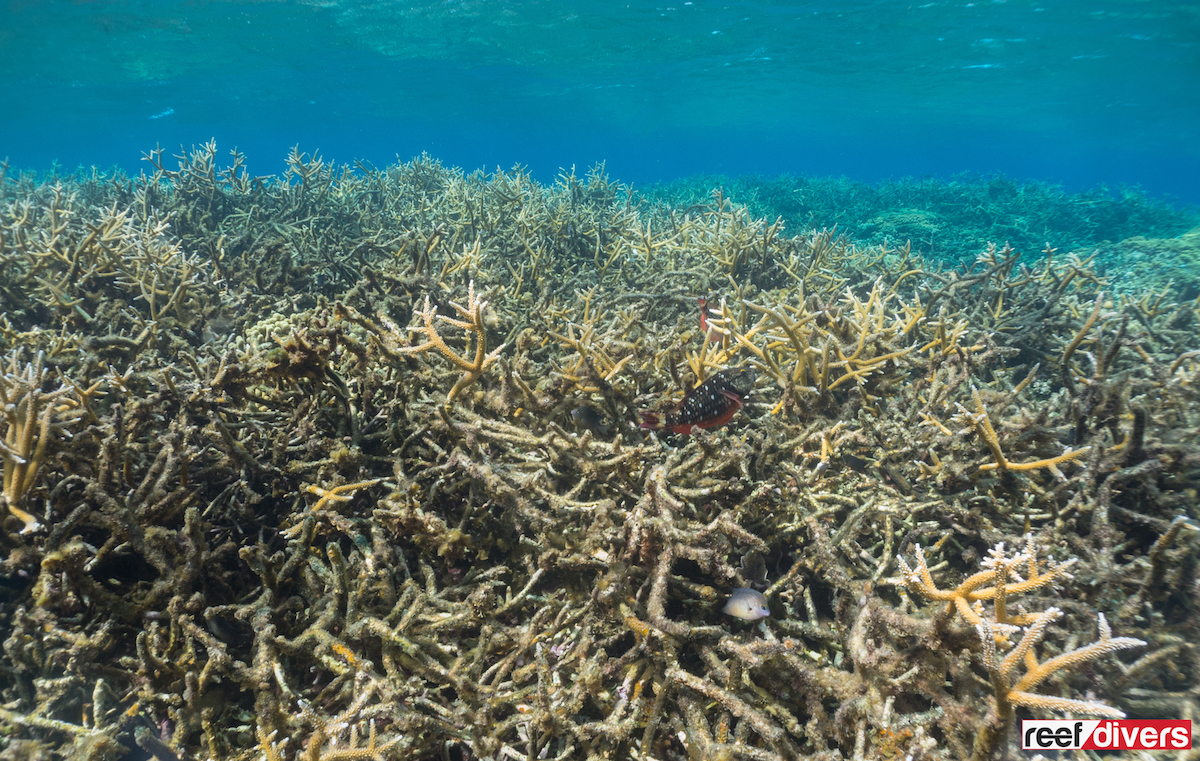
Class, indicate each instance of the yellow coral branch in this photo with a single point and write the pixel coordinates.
(473, 324)
(983, 425)
(27, 420)
(337, 493)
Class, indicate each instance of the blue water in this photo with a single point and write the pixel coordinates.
(1077, 93)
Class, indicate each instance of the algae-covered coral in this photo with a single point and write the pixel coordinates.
(291, 470)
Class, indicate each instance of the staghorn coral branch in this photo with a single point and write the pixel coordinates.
(28, 418)
(337, 493)
(730, 702)
(1033, 635)
(983, 426)
(473, 324)
(1038, 672)
(1052, 703)
(1009, 694)
(1000, 566)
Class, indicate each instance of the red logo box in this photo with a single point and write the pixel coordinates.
(1106, 734)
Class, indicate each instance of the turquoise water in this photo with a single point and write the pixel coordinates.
(1079, 93)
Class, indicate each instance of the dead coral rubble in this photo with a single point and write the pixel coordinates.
(290, 472)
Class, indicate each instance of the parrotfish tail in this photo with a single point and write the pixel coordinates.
(650, 420)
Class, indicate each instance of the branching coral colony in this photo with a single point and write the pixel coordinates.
(271, 493)
(471, 366)
(995, 630)
(30, 417)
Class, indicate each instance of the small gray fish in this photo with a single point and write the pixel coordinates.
(589, 418)
(747, 604)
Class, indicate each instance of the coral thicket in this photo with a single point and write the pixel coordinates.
(291, 472)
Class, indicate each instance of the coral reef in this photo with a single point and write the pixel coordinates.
(292, 470)
(945, 218)
(1169, 267)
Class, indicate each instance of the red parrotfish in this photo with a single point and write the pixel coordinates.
(713, 403)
